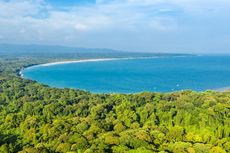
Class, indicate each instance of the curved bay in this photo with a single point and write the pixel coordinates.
(136, 75)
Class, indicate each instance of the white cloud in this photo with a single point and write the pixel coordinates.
(22, 8)
(36, 20)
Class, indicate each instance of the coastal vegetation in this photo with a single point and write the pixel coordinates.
(35, 118)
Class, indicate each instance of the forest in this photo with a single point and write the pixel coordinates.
(35, 118)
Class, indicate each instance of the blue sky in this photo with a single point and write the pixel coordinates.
(61, 3)
(187, 26)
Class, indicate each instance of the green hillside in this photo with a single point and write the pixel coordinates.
(35, 118)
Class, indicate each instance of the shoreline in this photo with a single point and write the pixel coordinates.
(94, 60)
(20, 71)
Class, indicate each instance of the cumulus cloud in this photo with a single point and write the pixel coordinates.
(149, 22)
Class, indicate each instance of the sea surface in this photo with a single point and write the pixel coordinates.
(164, 74)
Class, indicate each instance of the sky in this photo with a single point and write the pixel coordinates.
(183, 26)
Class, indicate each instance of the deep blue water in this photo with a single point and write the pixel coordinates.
(135, 75)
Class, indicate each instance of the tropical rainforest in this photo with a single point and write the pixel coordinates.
(35, 118)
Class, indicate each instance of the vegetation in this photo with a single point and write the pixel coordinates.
(35, 118)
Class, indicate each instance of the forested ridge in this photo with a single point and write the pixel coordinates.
(35, 118)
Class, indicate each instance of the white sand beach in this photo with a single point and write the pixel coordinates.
(90, 60)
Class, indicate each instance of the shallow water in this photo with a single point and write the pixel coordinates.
(136, 75)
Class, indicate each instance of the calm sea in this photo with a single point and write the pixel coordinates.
(165, 74)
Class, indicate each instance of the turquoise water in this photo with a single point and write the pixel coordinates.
(136, 75)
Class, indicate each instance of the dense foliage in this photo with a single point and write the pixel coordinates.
(35, 118)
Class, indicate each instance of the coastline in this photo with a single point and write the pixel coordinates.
(20, 71)
(93, 60)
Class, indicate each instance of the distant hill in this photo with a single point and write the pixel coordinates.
(19, 50)
(50, 48)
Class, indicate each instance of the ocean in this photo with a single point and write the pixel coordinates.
(163, 74)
